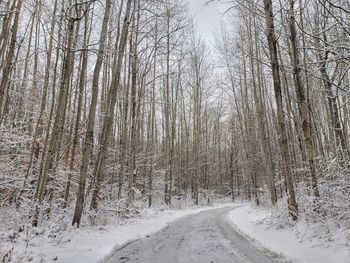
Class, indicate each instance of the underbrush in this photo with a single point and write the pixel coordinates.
(326, 218)
(18, 236)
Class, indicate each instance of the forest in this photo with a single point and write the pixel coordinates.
(111, 106)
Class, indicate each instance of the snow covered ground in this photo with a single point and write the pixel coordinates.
(296, 242)
(94, 244)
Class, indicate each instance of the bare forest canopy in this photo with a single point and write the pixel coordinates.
(113, 105)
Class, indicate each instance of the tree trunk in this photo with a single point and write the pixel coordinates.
(302, 101)
(9, 59)
(112, 97)
(272, 44)
(88, 140)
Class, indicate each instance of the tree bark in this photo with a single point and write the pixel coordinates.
(272, 44)
(88, 140)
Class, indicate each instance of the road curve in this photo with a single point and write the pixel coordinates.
(201, 238)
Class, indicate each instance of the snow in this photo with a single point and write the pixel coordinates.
(293, 242)
(95, 244)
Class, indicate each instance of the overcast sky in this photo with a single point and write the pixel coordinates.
(207, 18)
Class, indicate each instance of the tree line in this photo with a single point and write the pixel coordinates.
(109, 104)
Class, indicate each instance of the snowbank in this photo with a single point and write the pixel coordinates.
(95, 244)
(292, 242)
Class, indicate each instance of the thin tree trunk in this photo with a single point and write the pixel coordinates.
(272, 44)
(88, 140)
(302, 101)
(9, 59)
(112, 97)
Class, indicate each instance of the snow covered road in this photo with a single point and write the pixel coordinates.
(204, 237)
